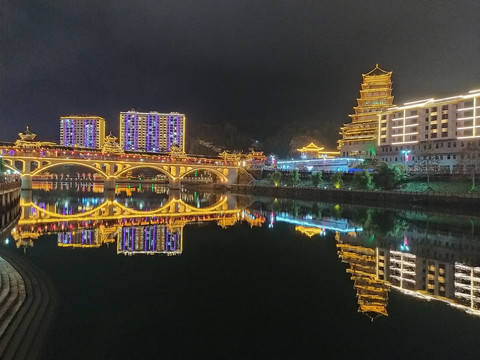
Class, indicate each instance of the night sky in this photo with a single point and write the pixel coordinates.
(255, 64)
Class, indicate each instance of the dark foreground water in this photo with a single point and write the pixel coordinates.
(257, 287)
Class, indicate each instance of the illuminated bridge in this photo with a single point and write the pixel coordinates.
(31, 162)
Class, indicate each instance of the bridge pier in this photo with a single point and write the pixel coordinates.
(27, 183)
(109, 184)
(173, 194)
(174, 183)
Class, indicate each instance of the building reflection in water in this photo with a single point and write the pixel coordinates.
(425, 256)
(92, 222)
(430, 257)
(372, 289)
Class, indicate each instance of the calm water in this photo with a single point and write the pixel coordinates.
(149, 274)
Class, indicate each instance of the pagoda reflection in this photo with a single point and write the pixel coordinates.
(433, 258)
(372, 290)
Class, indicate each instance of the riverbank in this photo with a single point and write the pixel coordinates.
(28, 310)
(9, 206)
(427, 201)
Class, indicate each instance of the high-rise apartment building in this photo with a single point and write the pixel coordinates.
(359, 136)
(151, 132)
(83, 131)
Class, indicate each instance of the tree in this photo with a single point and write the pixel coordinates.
(362, 180)
(295, 177)
(470, 159)
(276, 178)
(385, 177)
(337, 180)
(426, 160)
(316, 178)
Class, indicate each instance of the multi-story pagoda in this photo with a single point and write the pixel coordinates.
(359, 137)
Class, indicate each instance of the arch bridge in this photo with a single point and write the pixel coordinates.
(31, 162)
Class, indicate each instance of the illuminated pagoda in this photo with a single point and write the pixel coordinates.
(372, 293)
(27, 140)
(359, 136)
(314, 151)
(111, 146)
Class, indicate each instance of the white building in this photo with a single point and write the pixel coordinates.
(441, 134)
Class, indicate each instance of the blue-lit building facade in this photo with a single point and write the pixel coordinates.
(152, 131)
(82, 131)
(340, 164)
(151, 239)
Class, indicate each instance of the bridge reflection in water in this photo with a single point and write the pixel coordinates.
(422, 256)
(105, 221)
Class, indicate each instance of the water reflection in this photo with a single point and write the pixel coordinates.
(428, 256)
(152, 224)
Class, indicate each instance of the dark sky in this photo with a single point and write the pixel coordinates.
(256, 64)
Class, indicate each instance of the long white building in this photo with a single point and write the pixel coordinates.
(442, 135)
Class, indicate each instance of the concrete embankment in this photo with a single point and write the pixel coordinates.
(429, 201)
(9, 203)
(26, 313)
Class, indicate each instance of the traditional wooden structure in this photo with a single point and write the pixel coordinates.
(359, 136)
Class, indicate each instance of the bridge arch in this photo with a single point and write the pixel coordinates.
(220, 175)
(43, 168)
(11, 167)
(143, 166)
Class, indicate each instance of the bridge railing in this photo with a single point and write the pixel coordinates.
(92, 155)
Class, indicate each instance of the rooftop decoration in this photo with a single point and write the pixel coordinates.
(111, 146)
(225, 155)
(27, 140)
(312, 150)
(177, 152)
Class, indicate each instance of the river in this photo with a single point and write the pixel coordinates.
(148, 273)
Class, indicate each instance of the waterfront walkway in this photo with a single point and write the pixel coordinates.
(27, 304)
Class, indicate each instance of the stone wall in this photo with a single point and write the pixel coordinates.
(428, 201)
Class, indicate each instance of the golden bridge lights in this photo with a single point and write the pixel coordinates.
(157, 231)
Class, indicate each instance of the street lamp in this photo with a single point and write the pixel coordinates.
(406, 157)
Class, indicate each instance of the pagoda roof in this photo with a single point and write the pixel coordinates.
(311, 147)
(377, 71)
(27, 135)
